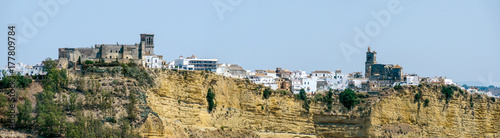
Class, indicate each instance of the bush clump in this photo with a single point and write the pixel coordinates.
(267, 93)
(426, 102)
(398, 87)
(448, 92)
(348, 98)
(210, 100)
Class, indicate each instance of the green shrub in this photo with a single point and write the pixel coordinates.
(267, 93)
(18, 81)
(417, 97)
(302, 95)
(89, 62)
(348, 98)
(210, 100)
(426, 102)
(328, 99)
(306, 104)
(448, 92)
(398, 87)
(24, 116)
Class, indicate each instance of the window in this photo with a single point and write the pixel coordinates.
(110, 57)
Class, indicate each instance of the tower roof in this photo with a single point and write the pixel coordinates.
(398, 67)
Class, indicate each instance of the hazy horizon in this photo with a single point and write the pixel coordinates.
(457, 39)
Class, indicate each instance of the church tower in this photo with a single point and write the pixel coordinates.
(147, 43)
(371, 59)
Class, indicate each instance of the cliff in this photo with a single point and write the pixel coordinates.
(179, 99)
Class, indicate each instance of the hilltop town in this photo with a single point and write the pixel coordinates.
(376, 77)
(128, 90)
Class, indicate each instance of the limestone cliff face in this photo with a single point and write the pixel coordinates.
(400, 115)
(179, 99)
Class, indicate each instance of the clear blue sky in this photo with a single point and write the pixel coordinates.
(459, 39)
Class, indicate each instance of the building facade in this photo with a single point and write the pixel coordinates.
(195, 63)
(382, 74)
(138, 53)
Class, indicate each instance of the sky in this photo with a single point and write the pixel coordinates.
(459, 39)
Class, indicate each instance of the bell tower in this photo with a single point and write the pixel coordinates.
(147, 43)
(371, 59)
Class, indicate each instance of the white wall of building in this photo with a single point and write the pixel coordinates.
(309, 84)
(151, 61)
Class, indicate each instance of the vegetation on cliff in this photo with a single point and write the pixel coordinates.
(210, 99)
(348, 98)
(96, 102)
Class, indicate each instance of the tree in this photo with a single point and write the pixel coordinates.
(131, 106)
(266, 93)
(49, 64)
(210, 99)
(398, 87)
(329, 99)
(348, 98)
(302, 95)
(426, 102)
(24, 116)
(79, 61)
(73, 105)
(50, 117)
(448, 92)
(417, 98)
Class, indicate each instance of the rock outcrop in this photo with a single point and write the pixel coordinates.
(179, 99)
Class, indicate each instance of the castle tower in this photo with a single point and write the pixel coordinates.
(147, 43)
(371, 59)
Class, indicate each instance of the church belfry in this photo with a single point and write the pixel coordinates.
(147, 40)
(371, 59)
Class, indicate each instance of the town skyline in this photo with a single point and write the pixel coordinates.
(425, 45)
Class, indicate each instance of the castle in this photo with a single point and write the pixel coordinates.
(381, 74)
(141, 53)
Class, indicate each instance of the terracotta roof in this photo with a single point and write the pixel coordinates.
(398, 67)
(321, 71)
(260, 74)
(270, 71)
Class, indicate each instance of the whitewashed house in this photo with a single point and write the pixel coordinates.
(339, 81)
(309, 84)
(152, 61)
(265, 80)
(412, 79)
(195, 63)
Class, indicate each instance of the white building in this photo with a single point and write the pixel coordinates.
(339, 81)
(357, 82)
(271, 73)
(448, 82)
(268, 81)
(320, 74)
(152, 61)
(309, 84)
(489, 94)
(24, 70)
(298, 74)
(194, 63)
(412, 79)
(231, 70)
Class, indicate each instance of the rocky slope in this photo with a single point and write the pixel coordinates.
(179, 99)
